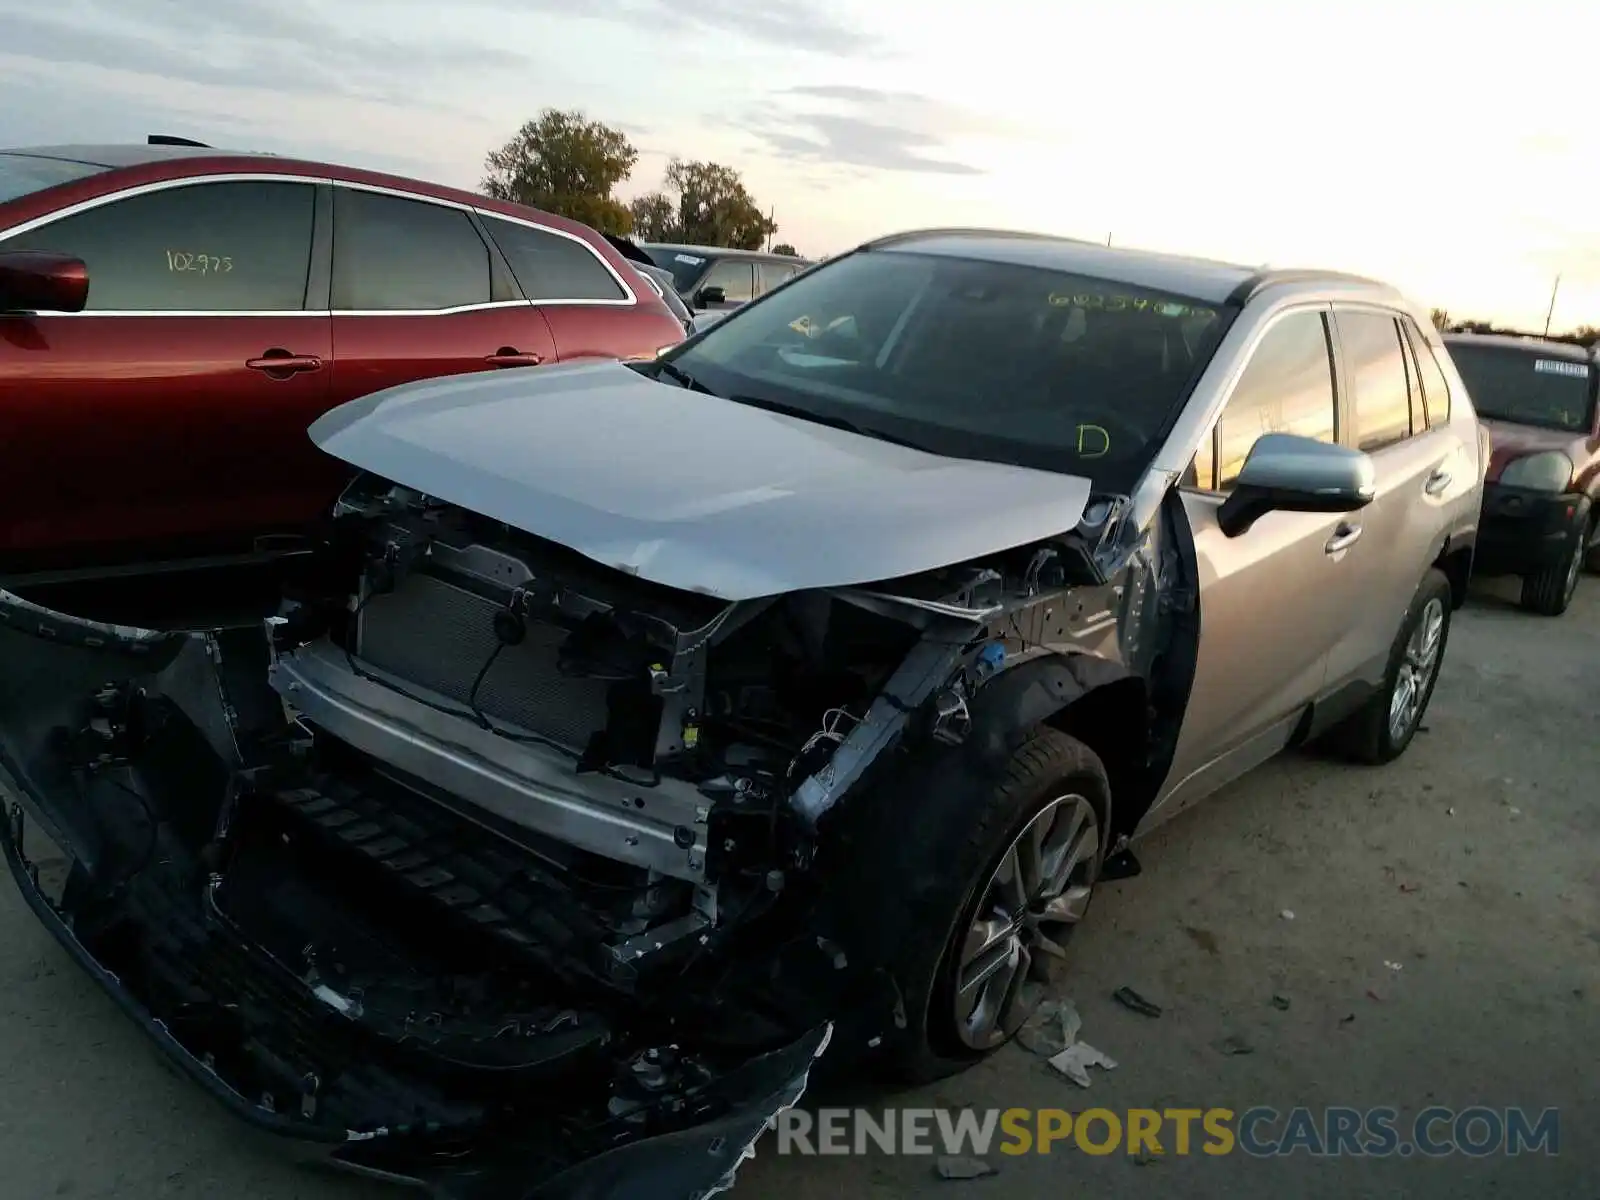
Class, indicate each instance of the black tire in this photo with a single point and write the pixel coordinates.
(1549, 592)
(932, 882)
(1591, 561)
(1366, 735)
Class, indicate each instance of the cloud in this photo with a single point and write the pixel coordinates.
(796, 27)
(282, 46)
(790, 27)
(871, 128)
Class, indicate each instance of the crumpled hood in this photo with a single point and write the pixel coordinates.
(688, 490)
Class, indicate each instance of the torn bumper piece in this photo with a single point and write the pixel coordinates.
(360, 1018)
(699, 1161)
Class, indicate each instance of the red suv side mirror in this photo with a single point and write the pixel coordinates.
(38, 281)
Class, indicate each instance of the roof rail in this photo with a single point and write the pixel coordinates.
(168, 139)
(959, 231)
(1266, 278)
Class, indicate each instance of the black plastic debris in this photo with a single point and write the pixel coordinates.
(1133, 1002)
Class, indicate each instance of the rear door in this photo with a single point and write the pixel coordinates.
(171, 413)
(417, 293)
(1403, 530)
(584, 300)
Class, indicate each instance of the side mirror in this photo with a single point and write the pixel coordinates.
(1288, 473)
(38, 281)
(710, 295)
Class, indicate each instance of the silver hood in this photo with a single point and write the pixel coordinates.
(688, 490)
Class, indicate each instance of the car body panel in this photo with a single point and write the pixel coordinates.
(203, 501)
(1334, 617)
(107, 415)
(1510, 440)
(690, 490)
(376, 351)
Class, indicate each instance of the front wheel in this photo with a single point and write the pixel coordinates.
(1381, 729)
(1002, 875)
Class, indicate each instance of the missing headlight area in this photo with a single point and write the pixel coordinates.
(488, 858)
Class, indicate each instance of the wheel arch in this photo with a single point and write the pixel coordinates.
(1455, 560)
(1097, 701)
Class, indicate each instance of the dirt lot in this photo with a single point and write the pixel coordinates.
(1471, 863)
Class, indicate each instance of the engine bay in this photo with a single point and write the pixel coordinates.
(613, 729)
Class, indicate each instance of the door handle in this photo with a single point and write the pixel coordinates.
(510, 356)
(1343, 537)
(1437, 482)
(281, 364)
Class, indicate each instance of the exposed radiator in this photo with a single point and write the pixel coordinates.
(438, 636)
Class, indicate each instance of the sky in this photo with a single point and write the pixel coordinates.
(1448, 149)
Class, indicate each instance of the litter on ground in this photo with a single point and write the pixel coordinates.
(1074, 1062)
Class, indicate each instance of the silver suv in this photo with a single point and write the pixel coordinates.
(649, 725)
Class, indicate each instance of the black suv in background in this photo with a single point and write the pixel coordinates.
(713, 278)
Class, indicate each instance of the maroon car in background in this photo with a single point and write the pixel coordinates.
(1541, 496)
(173, 317)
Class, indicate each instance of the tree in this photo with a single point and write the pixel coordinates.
(564, 163)
(714, 208)
(1441, 319)
(655, 217)
(786, 248)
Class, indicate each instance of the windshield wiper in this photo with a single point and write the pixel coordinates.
(672, 371)
(806, 414)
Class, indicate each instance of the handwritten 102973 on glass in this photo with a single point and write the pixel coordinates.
(200, 264)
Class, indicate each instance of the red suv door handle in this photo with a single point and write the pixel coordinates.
(280, 364)
(510, 356)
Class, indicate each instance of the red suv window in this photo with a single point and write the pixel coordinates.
(203, 247)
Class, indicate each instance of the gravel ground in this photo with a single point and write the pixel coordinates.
(1471, 863)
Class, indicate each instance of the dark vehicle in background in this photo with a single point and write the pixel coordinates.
(1541, 500)
(172, 318)
(659, 279)
(716, 278)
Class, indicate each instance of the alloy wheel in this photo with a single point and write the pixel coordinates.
(1040, 887)
(1417, 669)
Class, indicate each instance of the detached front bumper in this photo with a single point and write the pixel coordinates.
(1523, 532)
(470, 1077)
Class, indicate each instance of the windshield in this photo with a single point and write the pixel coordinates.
(21, 174)
(1512, 384)
(685, 266)
(970, 359)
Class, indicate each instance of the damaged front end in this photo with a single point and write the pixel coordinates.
(488, 867)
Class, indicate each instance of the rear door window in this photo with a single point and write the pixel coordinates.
(770, 275)
(552, 267)
(392, 254)
(1379, 392)
(1430, 377)
(200, 248)
(736, 278)
(1287, 387)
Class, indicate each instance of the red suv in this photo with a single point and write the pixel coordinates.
(172, 318)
